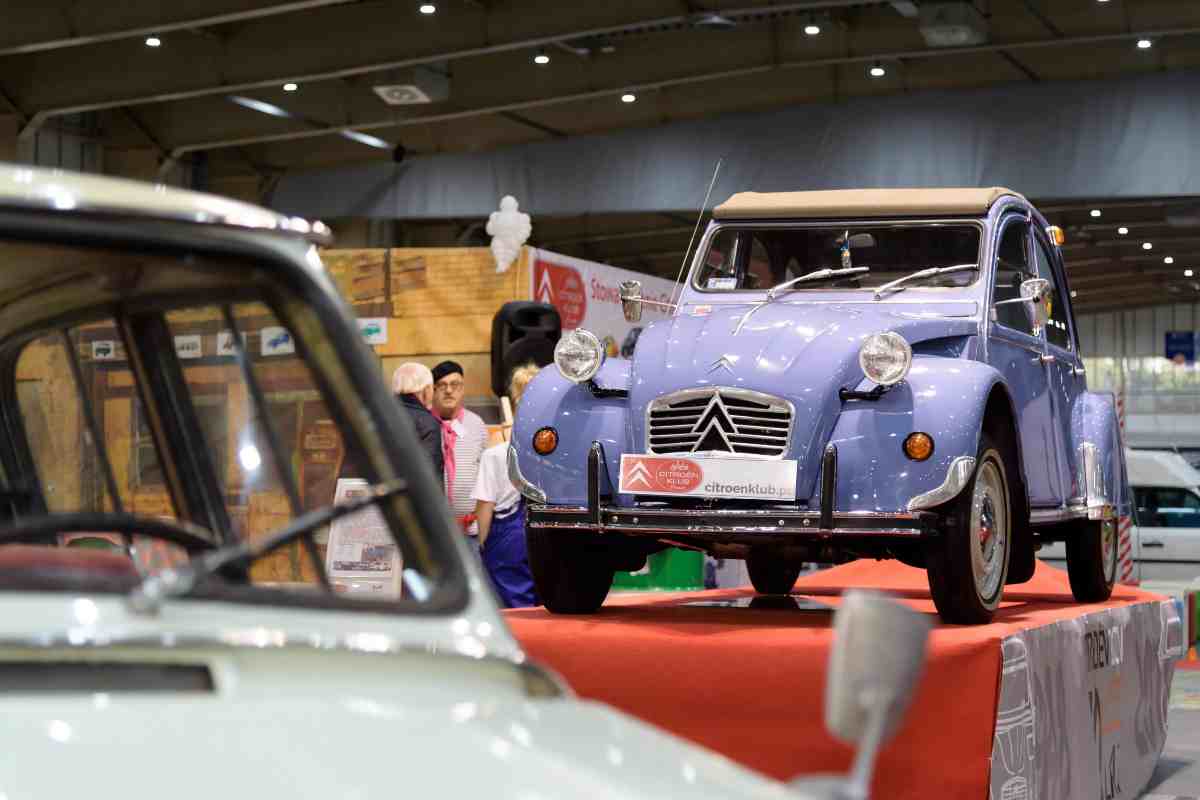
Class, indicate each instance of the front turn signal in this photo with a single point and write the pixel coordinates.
(918, 446)
(545, 441)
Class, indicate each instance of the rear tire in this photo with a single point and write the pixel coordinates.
(967, 566)
(770, 573)
(1092, 555)
(571, 572)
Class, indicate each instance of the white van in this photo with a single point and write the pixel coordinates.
(1166, 532)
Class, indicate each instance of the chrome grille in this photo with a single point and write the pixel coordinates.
(719, 420)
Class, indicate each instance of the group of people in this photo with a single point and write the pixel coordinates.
(489, 508)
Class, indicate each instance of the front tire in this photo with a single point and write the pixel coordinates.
(1092, 560)
(968, 564)
(771, 574)
(571, 573)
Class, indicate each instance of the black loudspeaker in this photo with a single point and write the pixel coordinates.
(522, 331)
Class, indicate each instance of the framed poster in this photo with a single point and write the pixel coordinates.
(362, 557)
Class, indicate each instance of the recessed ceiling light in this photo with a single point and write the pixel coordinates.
(1168, 260)
(540, 58)
(260, 106)
(1147, 245)
(1187, 273)
(367, 139)
(1144, 44)
(1122, 230)
(428, 8)
(877, 70)
(153, 41)
(290, 87)
(1095, 212)
(628, 97)
(812, 29)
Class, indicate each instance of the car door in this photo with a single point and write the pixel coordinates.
(1169, 528)
(1064, 368)
(1018, 351)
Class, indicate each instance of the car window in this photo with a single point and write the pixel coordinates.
(755, 259)
(1058, 331)
(1012, 268)
(1168, 507)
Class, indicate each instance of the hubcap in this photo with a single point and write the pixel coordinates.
(989, 531)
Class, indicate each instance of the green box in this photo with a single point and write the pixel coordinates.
(669, 570)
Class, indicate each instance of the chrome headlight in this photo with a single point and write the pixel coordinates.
(885, 358)
(578, 355)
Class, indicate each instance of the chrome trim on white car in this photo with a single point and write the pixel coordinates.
(957, 476)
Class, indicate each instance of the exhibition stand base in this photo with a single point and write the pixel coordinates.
(1052, 701)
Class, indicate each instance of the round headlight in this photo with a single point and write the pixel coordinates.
(578, 355)
(885, 358)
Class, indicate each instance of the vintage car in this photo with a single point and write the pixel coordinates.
(186, 607)
(846, 374)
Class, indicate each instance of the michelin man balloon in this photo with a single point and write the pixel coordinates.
(509, 229)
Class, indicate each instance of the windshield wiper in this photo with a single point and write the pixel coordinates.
(148, 596)
(921, 274)
(818, 275)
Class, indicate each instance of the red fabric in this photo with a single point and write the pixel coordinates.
(449, 437)
(749, 683)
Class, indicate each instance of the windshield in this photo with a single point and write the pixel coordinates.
(756, 258)
(212, 417)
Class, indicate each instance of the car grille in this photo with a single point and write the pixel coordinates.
(719, 420)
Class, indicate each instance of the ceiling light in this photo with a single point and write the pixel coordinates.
(260, 106)
(1187, 273)
(1073, 293)
(153, 41)
(367, 139)
(1168, 260)
(427, 8)
(1122, 230)
(712, 21)
(812, 29)
(290, 87)
(1095, 212)
(1145, 44)
(540, 58)
(1147, 245)
(877, 70)
(628, 97)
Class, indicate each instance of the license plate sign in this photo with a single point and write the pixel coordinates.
(730, 478)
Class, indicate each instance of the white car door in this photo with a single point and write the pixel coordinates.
(1169, 528)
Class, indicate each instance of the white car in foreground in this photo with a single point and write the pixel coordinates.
(185, 609)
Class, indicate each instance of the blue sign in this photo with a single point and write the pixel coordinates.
(1181, 347)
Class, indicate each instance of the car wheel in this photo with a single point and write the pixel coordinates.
(570, 576)
(968, 564)
(770, 573)
(1092, 560)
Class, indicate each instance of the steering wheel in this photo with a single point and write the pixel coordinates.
(192, 538)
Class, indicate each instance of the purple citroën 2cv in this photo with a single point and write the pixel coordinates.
(846, 374)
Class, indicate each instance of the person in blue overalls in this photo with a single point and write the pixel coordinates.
(500, 513)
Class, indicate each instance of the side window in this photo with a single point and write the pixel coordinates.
(1058, 330)
(1012, 267)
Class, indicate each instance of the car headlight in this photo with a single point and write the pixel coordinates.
(885, 358)
(578, 355)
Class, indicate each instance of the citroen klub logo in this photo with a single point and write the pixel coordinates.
(724, 362)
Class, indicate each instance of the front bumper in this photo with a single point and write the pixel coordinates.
(785, 523)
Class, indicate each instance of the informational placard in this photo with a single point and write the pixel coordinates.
(703, 476)
(276, 341)
(189, 346)
(374, 330)
(107, 350)
(362, 557)
(588, 295)
(225, 343)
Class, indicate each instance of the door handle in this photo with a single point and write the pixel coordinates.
(1046, 358)
(1078, 371)
(1151, 543)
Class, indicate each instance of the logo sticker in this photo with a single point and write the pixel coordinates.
(666, 475)
(561, 287)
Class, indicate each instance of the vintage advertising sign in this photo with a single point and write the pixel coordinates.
(189, 346)
(276, 341)
(588, 295)
(107, 350)
(708, 476)
(374, 330)
(362, 557)
(225, 343)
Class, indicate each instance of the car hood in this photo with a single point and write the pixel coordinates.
(802, 352)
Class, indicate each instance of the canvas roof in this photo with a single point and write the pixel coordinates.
(861, 203)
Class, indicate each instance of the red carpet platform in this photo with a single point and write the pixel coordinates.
(1053, 700)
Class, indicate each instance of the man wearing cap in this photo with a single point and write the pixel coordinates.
(412, 383)
(464, 438)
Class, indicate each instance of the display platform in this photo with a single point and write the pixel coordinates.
(1052, 701)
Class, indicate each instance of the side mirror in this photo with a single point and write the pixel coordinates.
(877, 658)
(861, 240)
(631, 300)
(1037, 292)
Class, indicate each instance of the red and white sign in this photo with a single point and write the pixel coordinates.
(708, 476)
(588, 295)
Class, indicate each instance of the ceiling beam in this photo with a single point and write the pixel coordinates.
(160, 28)
(484, 47)
(541, 101)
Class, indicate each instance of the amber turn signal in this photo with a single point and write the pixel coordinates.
(545, 440)
(918, 446)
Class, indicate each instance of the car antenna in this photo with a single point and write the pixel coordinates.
(699, 217)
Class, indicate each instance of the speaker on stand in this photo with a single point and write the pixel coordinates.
(522, 331)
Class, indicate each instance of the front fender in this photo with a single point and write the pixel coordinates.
(581, 416)
(943, 397)
(1100, 477)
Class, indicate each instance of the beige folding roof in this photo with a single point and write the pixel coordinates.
(861, 203)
